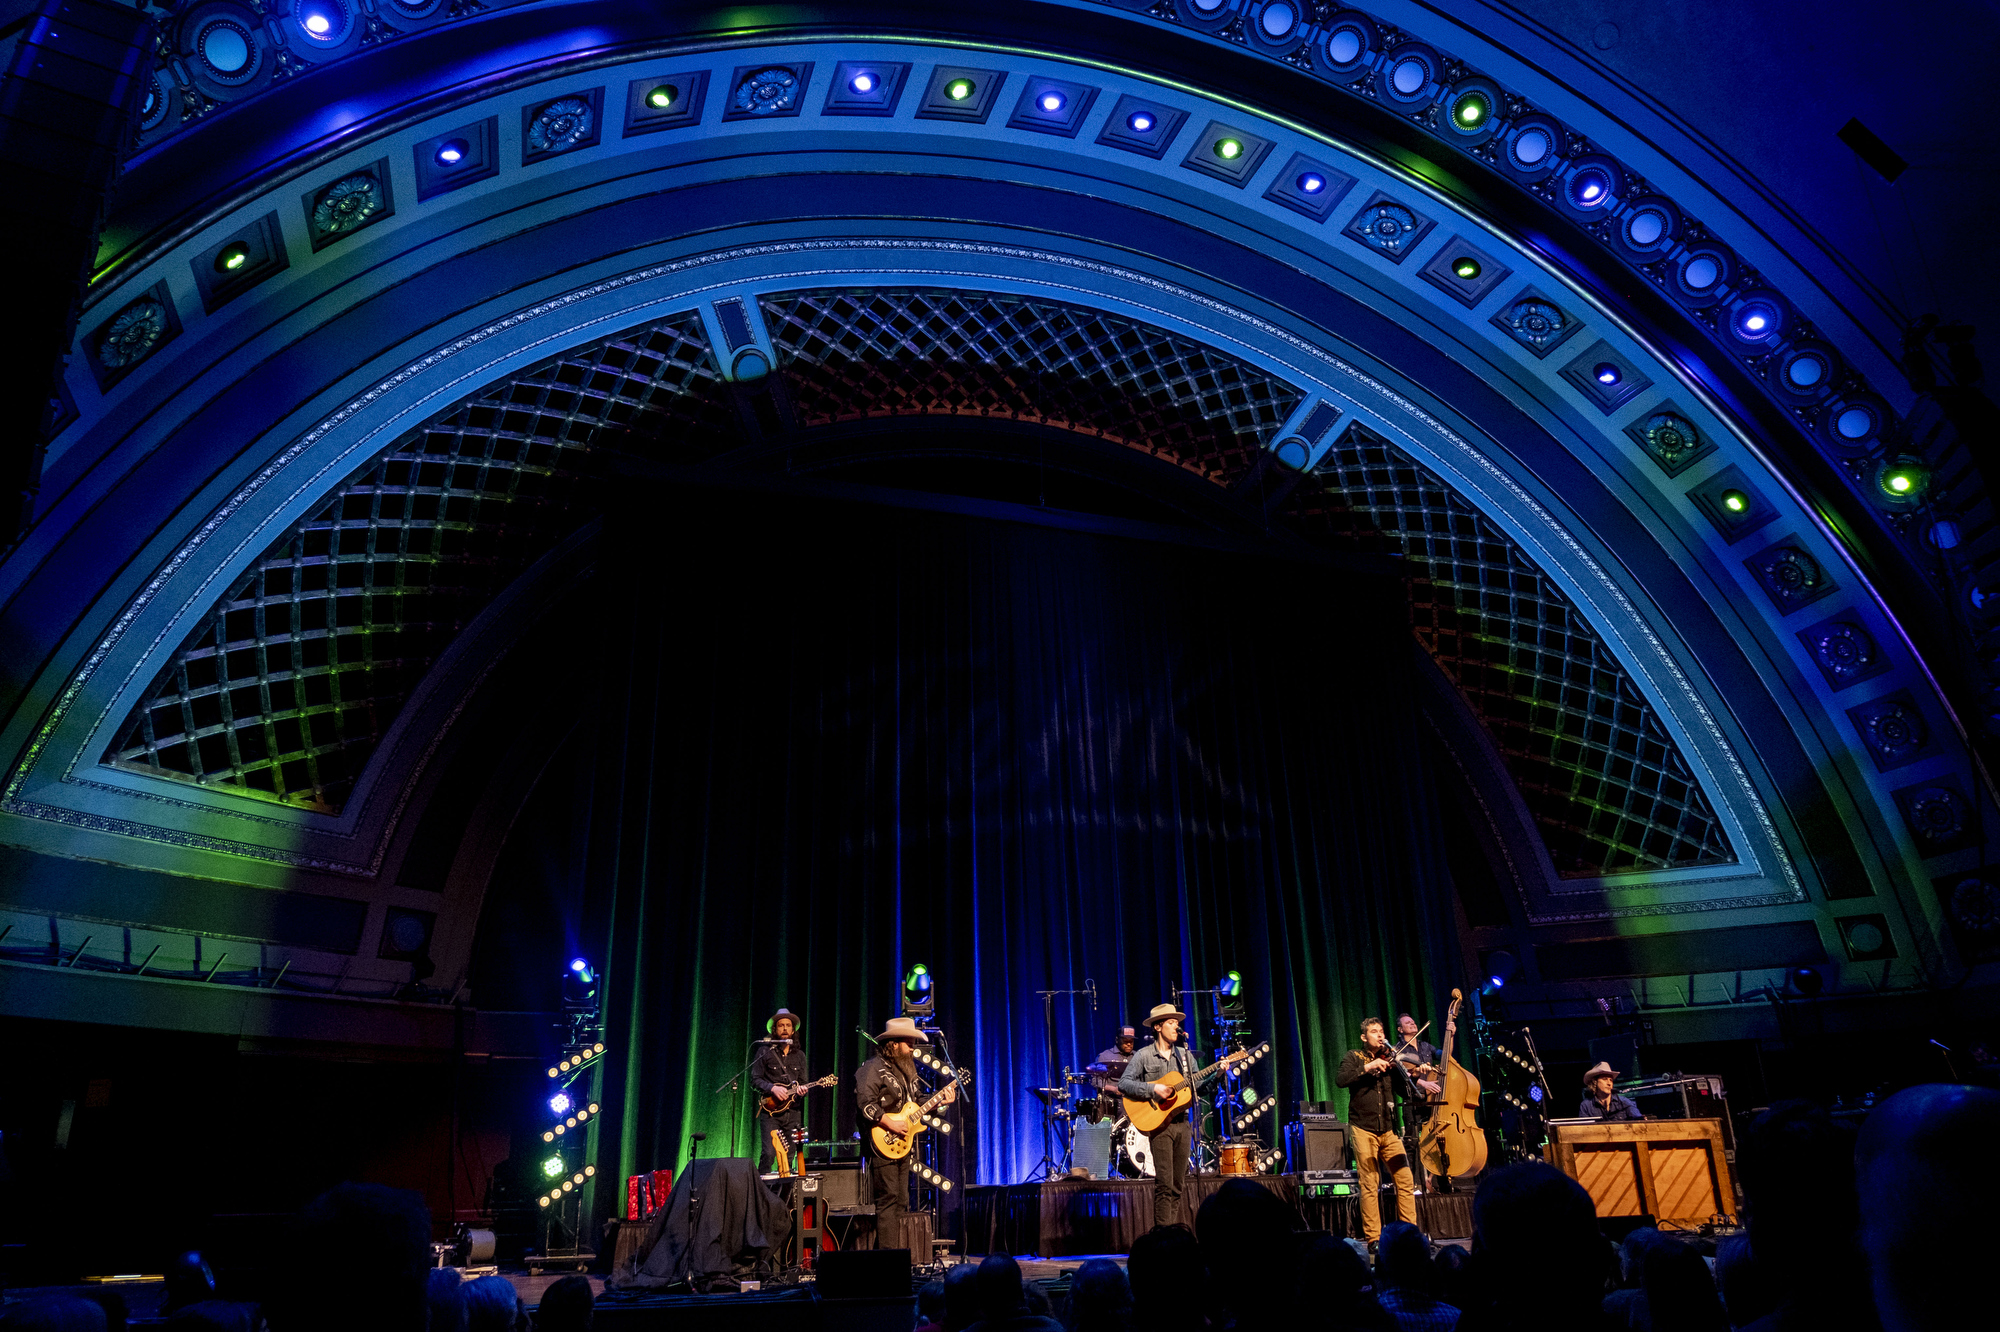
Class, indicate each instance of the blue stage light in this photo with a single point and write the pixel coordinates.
(1051, 101)
(1140, 121)
(451, 152)
(317, 23)
(1311, 183)
(560, 1103)
(863, 82)
(1535, 1092)
(1607, 374)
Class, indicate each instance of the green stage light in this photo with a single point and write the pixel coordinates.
(1472, 111)
(234, 256)
(1229, 149)
(959, 89)
(1249, 1096)
(1903, 478)
(661, 97)
(552, 1167)
(1735, 501)
(1465, 267)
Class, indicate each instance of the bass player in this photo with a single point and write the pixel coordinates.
(1373, 1080)
(779, 1073)
(883, 1087)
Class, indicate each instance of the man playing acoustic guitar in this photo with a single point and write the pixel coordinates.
(1158, 1075)
(1373, 1079)
(883, 1088)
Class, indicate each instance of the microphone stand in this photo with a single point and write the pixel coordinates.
(1052, 1165)
(732, 1083)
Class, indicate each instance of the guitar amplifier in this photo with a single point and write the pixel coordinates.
(1322, 1143)
(839, 1184)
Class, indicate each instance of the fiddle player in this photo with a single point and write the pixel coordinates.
(780, 1070)
(1600, 1101)
(1374, 1080)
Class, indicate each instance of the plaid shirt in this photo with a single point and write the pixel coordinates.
(1415, 1311)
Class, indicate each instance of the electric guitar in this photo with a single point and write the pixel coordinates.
(896, 1145)
(1148, 1115)
(776, 1102)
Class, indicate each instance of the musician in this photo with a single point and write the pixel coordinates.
(1128, 1041)
(1374, 1080)
(882, 1087)
(1600, 1101)
(779, 1071)
(1173, 1141)
(1421, 1059)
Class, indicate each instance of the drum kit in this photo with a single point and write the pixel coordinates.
(1094, 1102)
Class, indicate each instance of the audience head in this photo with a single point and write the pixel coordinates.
(566, 1305)
(1333, 1289)
(1449, 1265)
(1540, 1252)
(1245, 1230)
(55, 1313)
(1169, 1278)
(213, 1316)
(379, 1240)
(444, 1291)
(930, 1303)
(1632, 1255)
(1403, 1259)
(1797, 1169)
(116, 1315)
(1745, 1292)
(1680, 1294)
(998, 1287)
(1915, 1199)
(961, 1297)
(1100, 1299)
(189, 1281)
(491, 1305)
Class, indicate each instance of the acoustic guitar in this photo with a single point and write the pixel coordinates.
(896, 1145)
(774, 1103)
(1149, 1114)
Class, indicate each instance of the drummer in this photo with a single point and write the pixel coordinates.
(1110, 1065)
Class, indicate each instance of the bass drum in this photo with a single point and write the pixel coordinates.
(1135, 1151)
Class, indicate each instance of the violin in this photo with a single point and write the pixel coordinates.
(1452, 1142)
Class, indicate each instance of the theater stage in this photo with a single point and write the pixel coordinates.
(1066, 1218)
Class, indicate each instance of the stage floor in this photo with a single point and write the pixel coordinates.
(1066, 1218)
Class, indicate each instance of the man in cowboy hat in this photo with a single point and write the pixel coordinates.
(1173, 1141)
(779, 1071)
(882, 1088)
(1599, 1101)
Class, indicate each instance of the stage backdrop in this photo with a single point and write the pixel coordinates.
(832, 741)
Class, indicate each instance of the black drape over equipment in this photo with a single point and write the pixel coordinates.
(834, 740)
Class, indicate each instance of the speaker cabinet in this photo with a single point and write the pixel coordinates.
(1323, 1143)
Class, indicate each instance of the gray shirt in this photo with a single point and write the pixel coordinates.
(1148, 1066)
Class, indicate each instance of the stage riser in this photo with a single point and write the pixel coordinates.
(1065, 1218)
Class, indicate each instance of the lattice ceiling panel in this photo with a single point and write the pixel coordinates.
(1602, 777)
(291, 682)
(855, 355)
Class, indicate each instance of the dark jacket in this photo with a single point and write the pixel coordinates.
(1371, 1097)
(1622, 1107)
(1425, 1053)
(773, 1068)
(879, 1089)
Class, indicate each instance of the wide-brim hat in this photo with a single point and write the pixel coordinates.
(1161, 1012)
(771, 1022)
(1598, 1070)
(902, 1029)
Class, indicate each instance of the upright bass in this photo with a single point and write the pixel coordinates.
(1452, 1144)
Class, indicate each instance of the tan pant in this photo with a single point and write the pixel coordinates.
(1372, 1151)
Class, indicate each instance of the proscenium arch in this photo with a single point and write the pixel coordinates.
(281, 393)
